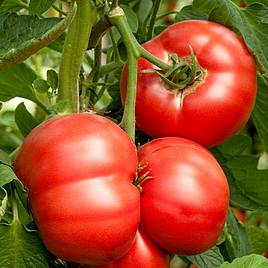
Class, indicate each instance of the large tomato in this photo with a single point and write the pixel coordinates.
(185, 197)
(144, 253)
(80, 188)
(208, 111)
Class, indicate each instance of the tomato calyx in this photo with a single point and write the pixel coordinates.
(142, 176)
(184, 72)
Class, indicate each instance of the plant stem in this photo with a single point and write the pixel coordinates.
(98, 31)
(117, 57)
(42, 106)
(161, 16)
(153, 18)
(128, 120)
(97, 61)
(117, 18)
(134, 50)
(109, 67)
(73, 53)
(14, 204)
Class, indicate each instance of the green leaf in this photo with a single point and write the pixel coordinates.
(187, 14)
(114, 92)
(234, 146)
(238, 197)
(249, 2)
(251, 261)
(258, 238)
(209, 259)
(57, 45)
(4, 158)
(260, 112)
(12, 5)
(52, 79)
(7, 175)
(24, 120)
(24, 35)
(226, 151)
(143, 10)
(17, 82)
(253, 182)
(40, 6)
(3, 202)
(159, 29)
(251, 22)
(9, 141)
(237, 242)
(131, 18)
(41, 85)
(20, 248)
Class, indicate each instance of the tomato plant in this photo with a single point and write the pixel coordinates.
(211, 108)
(84, 197)
(74, 188)
(185, 196)
(144, 253)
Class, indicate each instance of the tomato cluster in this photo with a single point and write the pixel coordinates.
(87, 209)
(79, 169)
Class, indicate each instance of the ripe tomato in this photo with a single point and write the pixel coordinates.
(80, 188)
(208, 111)
(185, 197)
(144, 253)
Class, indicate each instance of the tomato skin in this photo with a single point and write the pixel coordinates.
(80, 189)
(184, 201)
(144, 253)
(219, 107)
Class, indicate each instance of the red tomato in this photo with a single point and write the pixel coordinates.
(185, 197)
(209, 111)
(144, 253)
(80, 188)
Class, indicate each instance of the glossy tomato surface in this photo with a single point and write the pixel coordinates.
(185, 198)
(80, 188)
(209, 111)
(144, 253)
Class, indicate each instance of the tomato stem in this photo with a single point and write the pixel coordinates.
(73, 52)
(128, 120)
(153, 19)
(14, 205)
(134, 50)
(117, 18)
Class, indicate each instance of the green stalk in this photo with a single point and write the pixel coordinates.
(128, 120)
(14, 204)
(153, 18)
(134, 51)
(73, 53)
(117, 18)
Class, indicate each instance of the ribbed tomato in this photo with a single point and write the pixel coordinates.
(80, 189)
